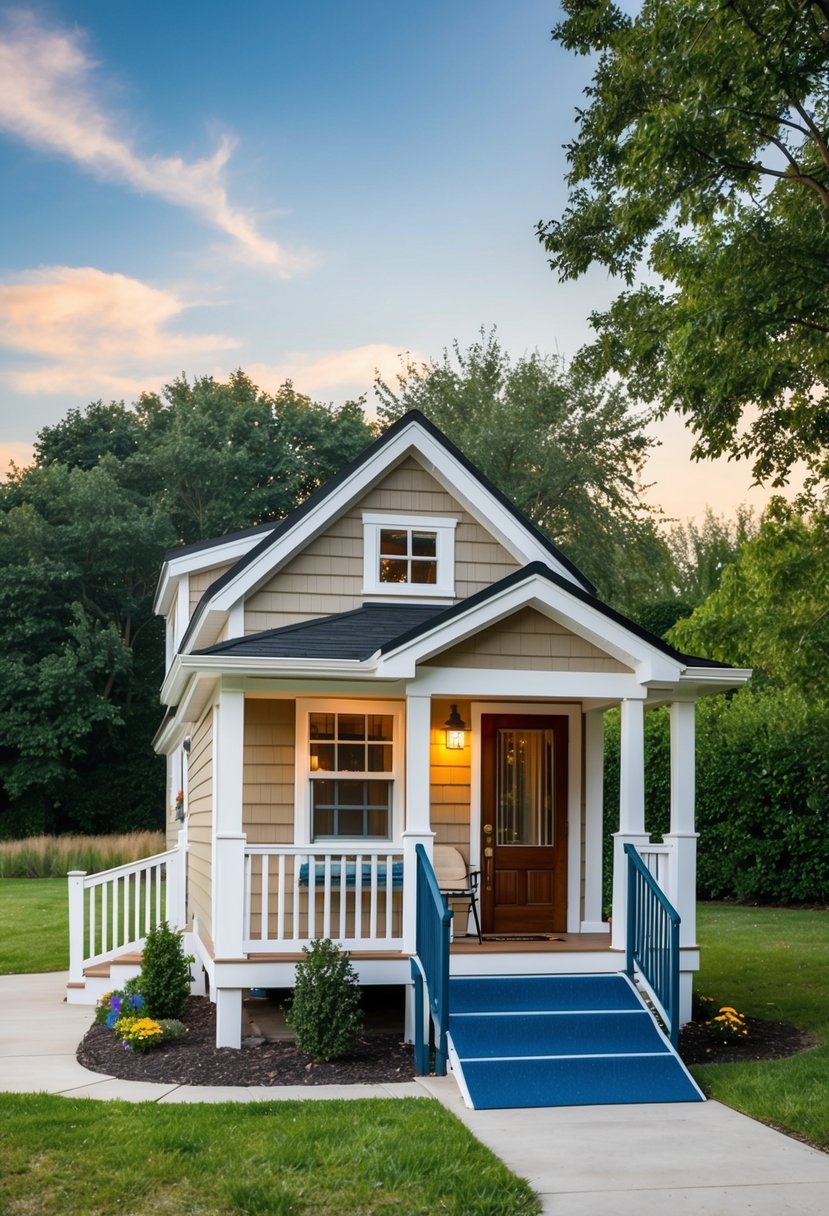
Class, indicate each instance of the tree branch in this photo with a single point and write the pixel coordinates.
(814, 130)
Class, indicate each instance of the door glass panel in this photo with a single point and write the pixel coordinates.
(524, 788)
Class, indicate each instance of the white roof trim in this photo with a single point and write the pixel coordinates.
(648, 661)
(185, 666)
(216, 554)
(456, 479)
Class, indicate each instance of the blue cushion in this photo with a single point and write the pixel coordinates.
(351, 874)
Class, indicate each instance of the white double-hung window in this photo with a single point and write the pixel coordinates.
(349, 770)
(408, 555)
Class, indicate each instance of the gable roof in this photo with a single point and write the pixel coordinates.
(382, 629)
(290, 534)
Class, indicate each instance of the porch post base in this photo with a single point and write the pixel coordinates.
(410, 842)
(229, 1017)
(686, 992)
(620, 884)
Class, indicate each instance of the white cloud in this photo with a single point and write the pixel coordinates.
(47, 99)
(97, 332)
(352, 369)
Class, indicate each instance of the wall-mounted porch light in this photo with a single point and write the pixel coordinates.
(455, 728)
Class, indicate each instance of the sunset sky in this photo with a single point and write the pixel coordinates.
(305, 190)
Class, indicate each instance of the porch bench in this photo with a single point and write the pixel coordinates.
(351, 874)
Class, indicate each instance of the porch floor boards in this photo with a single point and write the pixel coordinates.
(560, 943)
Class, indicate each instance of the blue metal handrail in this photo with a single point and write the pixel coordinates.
(430, 964)
(653, 939)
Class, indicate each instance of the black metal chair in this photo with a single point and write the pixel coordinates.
(455, 880)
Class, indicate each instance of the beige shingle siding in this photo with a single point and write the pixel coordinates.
(202, 579)
(450, 782)
(528, 641)
(268, 815)
(200, 822)
(327, 577)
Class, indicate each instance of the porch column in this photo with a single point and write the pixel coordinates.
(228, 856)
(682, 838)
(417, 828)
(631, 809)
(593, 814)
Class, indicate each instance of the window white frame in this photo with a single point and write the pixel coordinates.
(444, 529)
(302, 766)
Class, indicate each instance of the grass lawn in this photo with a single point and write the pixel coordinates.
(34, 925)
(771, 963)
(384, 1157)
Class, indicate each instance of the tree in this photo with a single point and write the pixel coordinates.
(82, 538)
(79, 648)
(213, 456)
(700, 176)
(770, 611)
(699, 554)
(568, 452)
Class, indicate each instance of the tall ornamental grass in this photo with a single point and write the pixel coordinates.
(53, 856)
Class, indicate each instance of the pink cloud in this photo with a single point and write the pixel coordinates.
(97, 331)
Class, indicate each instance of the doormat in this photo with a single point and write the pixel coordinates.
(520, 937)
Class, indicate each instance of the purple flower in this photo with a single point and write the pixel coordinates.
(115, 1003)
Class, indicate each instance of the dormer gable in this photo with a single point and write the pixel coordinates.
(412, 443)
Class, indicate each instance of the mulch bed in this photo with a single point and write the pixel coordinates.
(764, 1041)
(195, 1060)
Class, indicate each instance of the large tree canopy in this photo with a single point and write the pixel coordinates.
(82, 537)
(568, 452)
(700, 176)
(213, 456)
(770, 610)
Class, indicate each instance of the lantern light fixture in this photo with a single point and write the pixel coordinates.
(455, 728)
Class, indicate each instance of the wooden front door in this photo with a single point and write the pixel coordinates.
(523, 823)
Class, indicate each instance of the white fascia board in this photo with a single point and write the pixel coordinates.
(202, 559)
(587, 622)
(520, 543)
(478, 682)
(715, 679)
(184, 667)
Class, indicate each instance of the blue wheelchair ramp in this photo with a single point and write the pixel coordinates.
(581, 1040)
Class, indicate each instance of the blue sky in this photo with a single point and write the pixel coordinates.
(305, 190)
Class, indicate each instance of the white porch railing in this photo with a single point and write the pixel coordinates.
(657, 859)
(296, 893)
(111, 912)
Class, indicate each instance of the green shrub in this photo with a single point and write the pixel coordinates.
(325, 1013)
(762, 778)
(165, 973)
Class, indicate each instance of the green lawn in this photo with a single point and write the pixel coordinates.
(34, 925)
(384, 1157)
(771, 963)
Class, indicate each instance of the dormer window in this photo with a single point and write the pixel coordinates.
(408, 555)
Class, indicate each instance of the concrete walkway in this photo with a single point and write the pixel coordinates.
(694, 1159)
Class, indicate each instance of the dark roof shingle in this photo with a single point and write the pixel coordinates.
(347, 635)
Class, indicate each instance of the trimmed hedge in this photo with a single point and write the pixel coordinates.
(762, 794)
